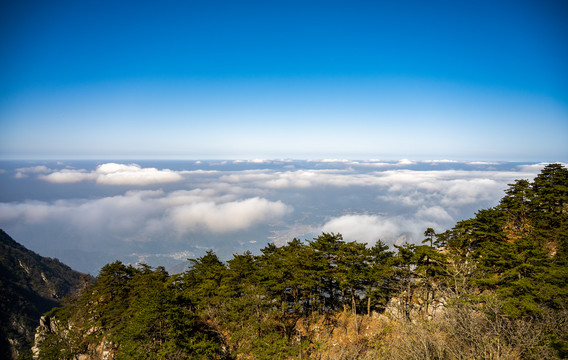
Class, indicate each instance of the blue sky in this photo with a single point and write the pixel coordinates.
(470, 80)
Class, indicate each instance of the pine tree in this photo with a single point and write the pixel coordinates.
(549, 207)
(202, 282)
(300, 283)
(430, 266)
(327, 248)
(403, 276)
(378, 289)
(352, 273)
(516, 204)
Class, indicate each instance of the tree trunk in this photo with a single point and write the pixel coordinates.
(355, 312)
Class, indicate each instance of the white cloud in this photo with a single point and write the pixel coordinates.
(116, 174)
(452, 189)
(34, 169)
(482, 163)
(459, 192)
(335, 161)
(22, 173)
(68, 176)
(434, 213)
(196, 196)
(404, 162)
(434, 199)
(442, 161)
(227, 217)
(533, 168)
(253, 161)
(229, 205)
(229, 209)
(375, 164)
(299, 178)
(148, 215)
(389, 229)
(30, 212)
(363, 228)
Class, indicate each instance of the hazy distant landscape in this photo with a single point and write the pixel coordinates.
(89, 213)
(492, 286)
(416, 151)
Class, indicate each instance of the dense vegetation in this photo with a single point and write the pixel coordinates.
(493, 287)
(30, 285)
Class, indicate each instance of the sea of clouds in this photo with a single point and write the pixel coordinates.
(159, 212)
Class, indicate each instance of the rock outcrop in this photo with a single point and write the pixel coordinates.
(414, 307)
(101, 350)
(30, 285)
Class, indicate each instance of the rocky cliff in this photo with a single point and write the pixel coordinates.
(103, 349)
(30, 285)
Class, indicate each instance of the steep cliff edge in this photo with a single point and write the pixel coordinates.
(51, 329)
(30, 285)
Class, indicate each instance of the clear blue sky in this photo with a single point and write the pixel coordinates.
(471, 80)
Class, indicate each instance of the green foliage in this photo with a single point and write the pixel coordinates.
(514, 255)
(519, 247)
(378, 289)
(203, 280)
(140, 310)
(326, 254)
(30, 285)
(516, 205)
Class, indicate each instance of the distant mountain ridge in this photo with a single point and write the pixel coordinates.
(30, 285)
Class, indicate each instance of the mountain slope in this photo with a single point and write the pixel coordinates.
(30, 285)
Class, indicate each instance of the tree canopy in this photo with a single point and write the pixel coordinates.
(514, 253)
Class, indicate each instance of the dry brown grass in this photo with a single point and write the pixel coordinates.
(462, 332)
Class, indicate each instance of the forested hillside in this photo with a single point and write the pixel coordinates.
(493, 287)
(30, 285)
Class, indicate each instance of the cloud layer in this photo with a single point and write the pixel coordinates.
(138, 215)
(243, 204)
(115, 174)
(227, 217)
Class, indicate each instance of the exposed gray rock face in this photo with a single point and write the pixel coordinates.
(30, 285)
(46, 326)
(415, 307)
(103, 350)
